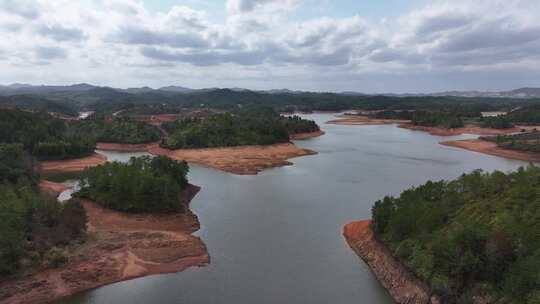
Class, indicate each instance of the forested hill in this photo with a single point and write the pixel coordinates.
(34, 226)
(110, 100)
(476, 236)
(44, 136)
(47, 137)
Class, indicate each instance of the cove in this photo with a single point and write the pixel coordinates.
(277, 237)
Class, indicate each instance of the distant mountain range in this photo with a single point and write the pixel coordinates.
(22, 89)
(518, 93)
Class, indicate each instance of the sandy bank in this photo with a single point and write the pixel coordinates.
(403, 286)
(124, 147)
(244, 160)
(119, 247)
(491, 148)
(359, 120)
(73, 165)
(302, 136)
(460, 131)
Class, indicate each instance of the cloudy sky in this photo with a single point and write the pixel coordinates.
(325, 45)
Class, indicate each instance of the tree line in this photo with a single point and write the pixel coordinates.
(527, 141)
(478, 235)
(117, 130)
(143, 184)
(447, 120)
(50, 138)
(261, 126)
(33, 225)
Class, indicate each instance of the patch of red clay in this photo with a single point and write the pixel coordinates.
(243, 160)
(51, 187)
(402, 285)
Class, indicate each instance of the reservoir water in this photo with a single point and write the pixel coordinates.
(276, 237)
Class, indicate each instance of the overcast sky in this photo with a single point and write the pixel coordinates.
(328, 45)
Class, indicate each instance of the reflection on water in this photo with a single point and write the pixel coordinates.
(276, 237)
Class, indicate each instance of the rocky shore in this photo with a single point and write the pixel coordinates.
(402, 285)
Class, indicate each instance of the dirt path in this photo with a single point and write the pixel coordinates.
(491, 148)
(119, 247)
(244, 160)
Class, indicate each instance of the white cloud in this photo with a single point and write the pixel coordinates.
(259, 43)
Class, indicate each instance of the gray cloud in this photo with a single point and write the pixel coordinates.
(492, 34)
(60, 33)
(438, 23)
(48, 53)
(133, 35)
(247, 5)
(25, 9)
(207, 58)
(510, 54)
(11, 27)
(340, 56)
(313, 38)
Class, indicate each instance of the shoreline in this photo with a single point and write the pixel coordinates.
(307, 135)
(402, 285)
(360, 120)
(241, 160)
(118, 247)
(72, 165)
(491, 148)
(436, 131)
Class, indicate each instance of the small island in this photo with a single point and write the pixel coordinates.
(241, 142)
(471, 240)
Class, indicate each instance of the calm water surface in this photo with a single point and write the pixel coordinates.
(276, 237)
